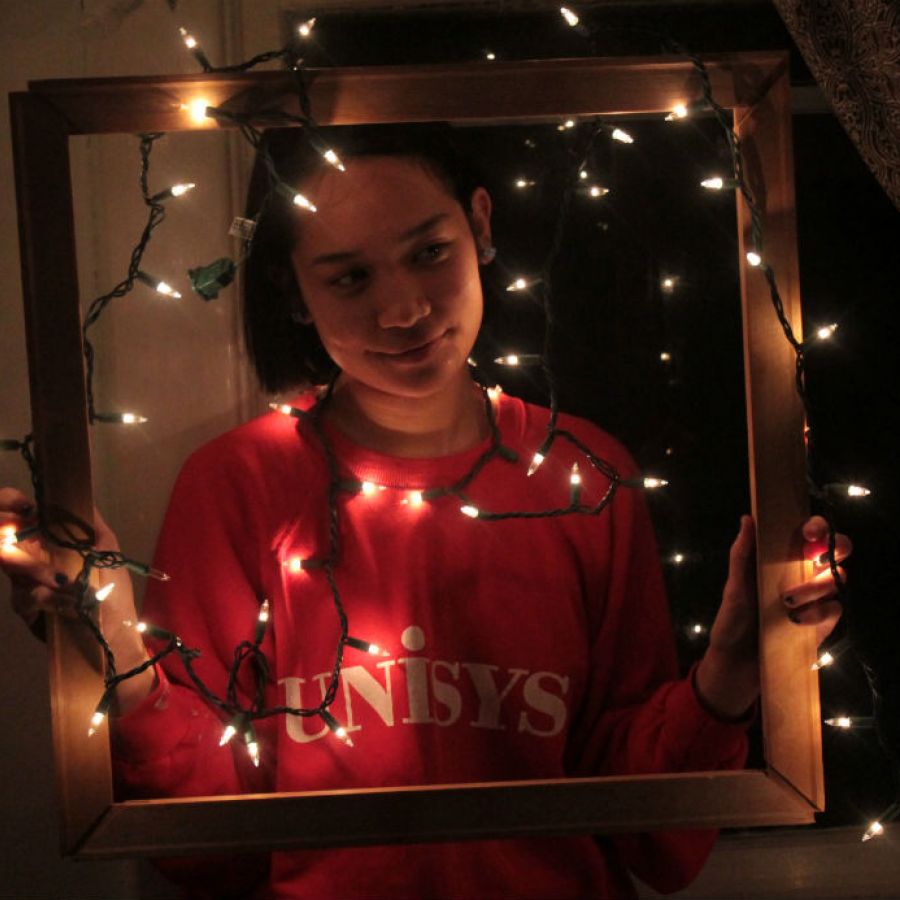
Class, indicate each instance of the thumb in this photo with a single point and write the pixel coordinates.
(740, 561)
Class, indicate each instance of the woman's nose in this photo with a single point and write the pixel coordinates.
(402, 304)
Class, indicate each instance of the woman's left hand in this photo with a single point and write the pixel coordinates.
(727, 678)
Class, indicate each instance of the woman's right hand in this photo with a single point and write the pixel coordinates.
(38, 591)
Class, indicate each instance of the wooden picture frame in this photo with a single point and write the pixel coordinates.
(790, 787)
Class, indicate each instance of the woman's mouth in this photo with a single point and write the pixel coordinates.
(415, 354)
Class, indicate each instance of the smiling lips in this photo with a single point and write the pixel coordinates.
(416, 353)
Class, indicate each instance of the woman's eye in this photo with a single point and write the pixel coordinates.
(349, 279)
(433, 252)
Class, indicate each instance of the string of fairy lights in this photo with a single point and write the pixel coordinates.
(65, 531)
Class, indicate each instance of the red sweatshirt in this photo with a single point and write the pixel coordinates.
(523, 648)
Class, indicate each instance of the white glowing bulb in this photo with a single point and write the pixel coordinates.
(597, 191)
(754, 258)
(494, 393)
(140, 627)
(622, 136)
(874, 830)
(415, 498)
(197, 109)
(678, 558)
(668, 284)
(510, 360)
(281, 407)
(96, 721)
(697, 629)
(569, 15)
(470, 511)
(518, 285)
(651, 482)
(524, 183)
(536, 461)
(840, 722)
(583, 175)
(229, 732)
(104, 592)
(264, 611)
(132, 419)
(713, 184)
(575, 475)
(253, 751)
(304, 29)
(294, 564)
(178, 189)
(826, 659)
(665, 356)
(569, 123)
(303, 202)
(826, 331)
(8, 536)
(189, 40)
(679, 111)
(857, 490)
(167, 290)
(490, 56)
(332, 157)
(368, 488)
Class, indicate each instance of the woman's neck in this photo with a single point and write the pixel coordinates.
(450, 421)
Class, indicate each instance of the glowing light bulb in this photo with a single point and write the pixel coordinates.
(650, 482)
(253, 752)
(667, 284)
(189, 40)
(575, 475)
(713, 184)
(567, 125)
(840, 722)
(295, 564)
(826, 331)
(698, 629)
(597, 191)
(874, 830)
(677, 558)
(332, 157)
(96, 721)
(177, 190)
(679, 111)
(366, 647)
(490, 56)
(754, 258)
(583, 175)
(522, 183)
(163, 287)
(101, 594)
(520, 284)
(570, 16)
(229, 732)
(623, 137)
(470, 511)
(826, 659)
(665, 356)
(196, 110)
(337, 729)
(264, 611)
(511, 360)
(304, 29)
(8, 537)
(284, 408)
(857, 490)
(132, 419)
(303, 202)
(536, 461)
(494, 393)
(415, 499)
(368, 488)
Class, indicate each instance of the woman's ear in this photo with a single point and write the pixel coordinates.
(480, 216)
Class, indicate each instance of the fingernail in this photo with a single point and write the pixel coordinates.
(61, 579)
(794, 616)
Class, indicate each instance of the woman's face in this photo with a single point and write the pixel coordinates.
(388, 270)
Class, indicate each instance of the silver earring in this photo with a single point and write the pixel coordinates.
(487, 254)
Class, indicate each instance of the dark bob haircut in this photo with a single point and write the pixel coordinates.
(284, 352)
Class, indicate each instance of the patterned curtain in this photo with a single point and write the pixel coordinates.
(852, 47)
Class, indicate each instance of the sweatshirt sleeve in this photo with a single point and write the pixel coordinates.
(639, 717)
(168, 746)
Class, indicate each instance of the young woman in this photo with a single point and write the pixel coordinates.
(512, 649)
